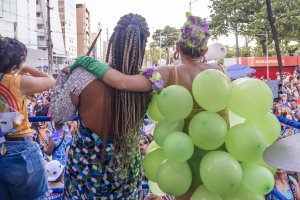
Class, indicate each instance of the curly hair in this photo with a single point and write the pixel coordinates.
(126, 50)
(12, 53)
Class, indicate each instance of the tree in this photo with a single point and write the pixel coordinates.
(275, 36)
(250, 18)
(232, 16)
(152, 55)
(168, 36)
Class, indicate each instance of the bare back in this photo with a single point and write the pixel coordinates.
(187, 73)
(95, 108)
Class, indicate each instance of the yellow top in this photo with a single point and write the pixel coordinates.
(11, 100)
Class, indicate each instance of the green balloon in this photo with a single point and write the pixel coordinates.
(234, 119)
(245, 142)
(164, 128)
(211, 90)
(243, 194)
(269, 125)
(194, 164)
(175, 103)
(178, 147)
(208, 130)
(220, 172)
(152, 111)
(154, 188)
(250, 98)
(152, 162)
(203, 194)
(174, 178)
(262, 163)
(152, 146)
(257, 179)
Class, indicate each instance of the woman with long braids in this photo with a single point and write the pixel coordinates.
(104, 159)
(191, 47)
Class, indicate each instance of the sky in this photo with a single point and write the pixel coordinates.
(158, 13)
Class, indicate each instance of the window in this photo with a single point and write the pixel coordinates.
(7, 29)
(8, 9)
(37, 2)
(38, 14)
(40, 26)
(41, 38)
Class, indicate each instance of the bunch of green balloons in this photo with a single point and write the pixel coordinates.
(201, 148)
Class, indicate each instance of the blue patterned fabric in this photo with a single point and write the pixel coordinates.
(89, 177)
(287, 194)
(284, 195)
(60, 153)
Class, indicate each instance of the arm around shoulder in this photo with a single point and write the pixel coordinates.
(120, 81)
(139, 82)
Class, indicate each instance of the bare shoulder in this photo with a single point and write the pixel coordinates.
(165, 73)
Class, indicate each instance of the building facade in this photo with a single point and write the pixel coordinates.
(67, 13)
(18, 20)
(83, 29)
(59, 52)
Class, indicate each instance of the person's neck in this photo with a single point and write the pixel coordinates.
(281, 178)
(189, 60)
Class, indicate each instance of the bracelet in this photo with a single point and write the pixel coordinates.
(157, 82)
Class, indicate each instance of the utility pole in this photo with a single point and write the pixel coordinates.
(49, 40)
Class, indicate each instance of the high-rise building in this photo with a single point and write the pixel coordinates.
(59, 52)
(83, 29)
(18, 20)
(67, 13)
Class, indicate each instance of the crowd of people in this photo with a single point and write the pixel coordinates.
(287, 105)
(99, 156)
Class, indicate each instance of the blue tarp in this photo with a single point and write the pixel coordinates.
(238, 71)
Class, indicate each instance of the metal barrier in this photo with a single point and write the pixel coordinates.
(45, 119)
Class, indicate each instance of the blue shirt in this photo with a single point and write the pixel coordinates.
(60, 153)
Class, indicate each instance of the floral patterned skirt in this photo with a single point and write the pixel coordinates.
(88, 177)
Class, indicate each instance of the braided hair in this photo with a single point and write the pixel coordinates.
(12, 53)
(126, 50)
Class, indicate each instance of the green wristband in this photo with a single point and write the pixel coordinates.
(93, 66)
(98, 69)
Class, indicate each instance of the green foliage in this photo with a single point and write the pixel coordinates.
(152, 55)
(169, 35)
(249, 18)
